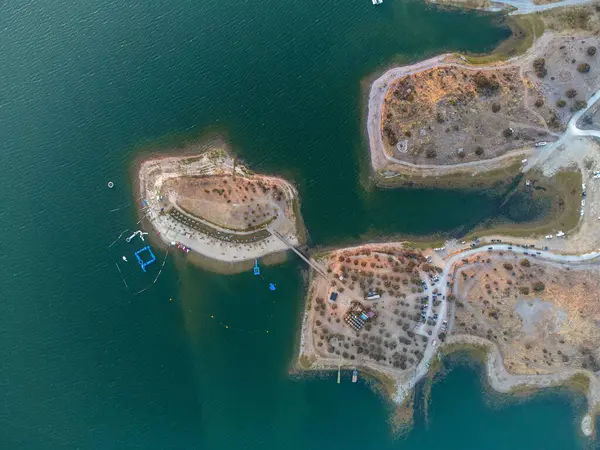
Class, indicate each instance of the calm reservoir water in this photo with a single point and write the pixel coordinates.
(86, 365)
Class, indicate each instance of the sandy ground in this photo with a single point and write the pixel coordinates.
(402, 381)
(559, 51)
(154, 172)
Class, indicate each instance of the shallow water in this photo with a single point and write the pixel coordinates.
(84, 364)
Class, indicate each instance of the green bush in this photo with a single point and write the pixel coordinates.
(583, 68)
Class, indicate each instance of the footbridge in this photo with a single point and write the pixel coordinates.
(308, 261)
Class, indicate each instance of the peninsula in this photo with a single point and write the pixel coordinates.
(451, 116)
(529, 300)
(218, 208)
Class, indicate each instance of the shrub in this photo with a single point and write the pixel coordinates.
(525, 262)
(524, 290)
(507, 266)
(571, 93)
(485, 84)
(508, 132)
(390, 135)
(539, 63)
(579, 104)
(431, 153)
(561, 103)
(539, 103)
(539, 66)
(591, 50)
(538, 286)
(495, 107)
(479, 151)
(583, 68)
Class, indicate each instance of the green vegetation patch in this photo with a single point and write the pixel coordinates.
(524, 30)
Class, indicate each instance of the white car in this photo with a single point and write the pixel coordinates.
(434, 343)
(541, 144)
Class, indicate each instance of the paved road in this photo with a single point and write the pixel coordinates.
(431, 348)
(543, 153)
(527, 6)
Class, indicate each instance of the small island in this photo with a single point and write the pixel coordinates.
(212, 205)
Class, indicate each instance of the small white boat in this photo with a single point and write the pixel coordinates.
(124, 259)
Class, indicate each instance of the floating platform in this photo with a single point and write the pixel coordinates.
(354, 375)
(143, 264)
(256, 267)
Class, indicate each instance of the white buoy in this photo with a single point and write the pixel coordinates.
(111, 184)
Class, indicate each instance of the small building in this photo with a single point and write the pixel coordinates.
(372, 295)
(333, 296)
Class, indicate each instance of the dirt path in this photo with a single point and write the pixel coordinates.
(380, 159)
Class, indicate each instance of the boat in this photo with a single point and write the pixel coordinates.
(377, 2)
(124, 259)
(354, 375)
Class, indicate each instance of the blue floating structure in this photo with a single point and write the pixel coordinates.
(272, 286)
(256, 268)
(144, 264)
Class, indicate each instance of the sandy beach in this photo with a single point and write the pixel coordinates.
(211, 240)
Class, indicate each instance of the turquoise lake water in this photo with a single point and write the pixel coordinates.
(86, 365)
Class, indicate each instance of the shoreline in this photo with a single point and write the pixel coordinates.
(399, 383)
(386, 166)
(503, 382)
(226, 250)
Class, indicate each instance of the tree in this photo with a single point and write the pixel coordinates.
(508, 266)
(484, 84)
(538, 286)
(431, 153)
(495, 107)
(579, 104)
(525, 263)
(571, 93)
(591, 50)
(539, 66)
(561, 103)
(539, 103)
(508, 132)
(583, 68)
(479, 151)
